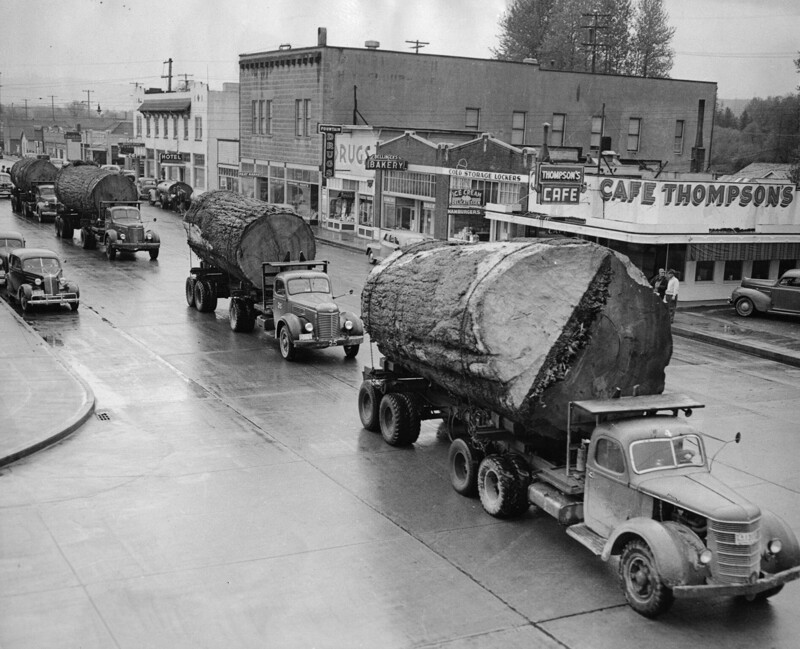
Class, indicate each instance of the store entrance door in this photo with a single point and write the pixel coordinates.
(405, 217)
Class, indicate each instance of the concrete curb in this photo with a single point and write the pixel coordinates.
(62, 430)
(778, 357)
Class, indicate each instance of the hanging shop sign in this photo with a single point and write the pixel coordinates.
(466, 197)
(73, 136)
(170, 157)
(329, 132)
(559, 183)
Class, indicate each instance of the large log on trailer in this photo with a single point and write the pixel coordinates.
(83, 188)
(237, 234)
(520, 327)
(27, 171)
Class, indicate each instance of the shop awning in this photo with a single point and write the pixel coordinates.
(175, 105)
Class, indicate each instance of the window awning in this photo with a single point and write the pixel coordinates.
(175, 105)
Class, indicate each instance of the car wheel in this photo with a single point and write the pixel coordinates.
(189, 289)
(745, 307)
(644, 590)
(286, 343)
(463, 460)
(368, 403)
(23, 297)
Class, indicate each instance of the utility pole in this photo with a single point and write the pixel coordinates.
(593, 44)
(88, 101)
(417, 45)
(185, 80)
(53, 106)
(26, 108)
(168, 76)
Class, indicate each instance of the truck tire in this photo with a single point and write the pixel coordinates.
(351, 351)
(286, 343)
(154, 253)
(189, 290)
(394, 417)
(463, 460)
(59, 231)
(205, 300)
(414, 419)
(368, 404)
(498, 486)
(745, 307)
(88, 242)
(522, 476)
(111, 251)
(641, 583)
(241, 315)
(67, 231)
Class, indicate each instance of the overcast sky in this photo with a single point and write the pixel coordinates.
(53, 51)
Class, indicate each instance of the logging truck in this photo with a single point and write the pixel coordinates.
(627, 476)
(104, 207)
(32, 189)
(246, 248)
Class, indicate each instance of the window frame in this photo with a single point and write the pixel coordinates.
(634, 135)
(596, 132)
(467, 122)
(677, 146)
(517, 132)
(557, 134)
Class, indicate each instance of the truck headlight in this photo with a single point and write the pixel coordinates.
(122, 236)
(706, 556)
(348, 324)
(149, 236)
(774, 546)
(309, 327)
(37, 282)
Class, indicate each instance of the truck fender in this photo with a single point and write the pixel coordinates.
(773, 527)
(760, 301)
(358, 326)
(293, 322)
(153, 236)
(676, 549)
(111, 236)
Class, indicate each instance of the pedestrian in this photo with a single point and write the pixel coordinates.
(671, 293)
(659, 283)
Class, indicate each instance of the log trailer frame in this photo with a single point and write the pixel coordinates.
(634, 483)
(298, 320)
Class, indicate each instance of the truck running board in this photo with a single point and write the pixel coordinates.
(587, 538)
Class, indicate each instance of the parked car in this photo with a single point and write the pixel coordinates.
(391, 241)
(144, 185)
(5, 185)
(9, 240)
(115, 168)
(762, 295)
(35, 278)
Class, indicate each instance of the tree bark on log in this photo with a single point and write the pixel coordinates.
(83, 188)
(237, 234)
(520, 327)
(27, 171)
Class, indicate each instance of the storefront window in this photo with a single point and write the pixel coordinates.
(276, 185)
(760, 269)
(468, 227)
(783, 266)
(365, 211)
(199, 171)
(733, 270)
(342, 205)
(263, 189)
(704, 272)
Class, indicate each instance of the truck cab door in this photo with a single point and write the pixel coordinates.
(279, 299)
(608, 499)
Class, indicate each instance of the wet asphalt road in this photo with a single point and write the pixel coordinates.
(226, 498)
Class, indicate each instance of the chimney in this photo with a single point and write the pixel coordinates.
(322, 36)
(372, 45)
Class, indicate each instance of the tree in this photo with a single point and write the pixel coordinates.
(582, 35)
(651, 54)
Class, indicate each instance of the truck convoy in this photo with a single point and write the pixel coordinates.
(261, 256)
(104, 207)
(33, 188)
(546, 358)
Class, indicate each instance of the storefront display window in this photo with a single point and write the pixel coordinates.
(276, 185)
(365, 211)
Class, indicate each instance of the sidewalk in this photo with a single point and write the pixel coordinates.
(41, 399)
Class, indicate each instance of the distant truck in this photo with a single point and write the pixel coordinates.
(103, 206)
(173, 195)
(261, 257)
(626, 475)
(32, 178)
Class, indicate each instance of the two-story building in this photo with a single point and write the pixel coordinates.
(191, 134)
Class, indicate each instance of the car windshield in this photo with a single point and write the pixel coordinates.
(667, 453)
(11, 243)
(41, 265)
(308, 285)
(127, 214)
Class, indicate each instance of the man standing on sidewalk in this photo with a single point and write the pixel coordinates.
(671, 294)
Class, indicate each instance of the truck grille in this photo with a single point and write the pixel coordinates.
(735, 562)
(135, 235)
(327, 325)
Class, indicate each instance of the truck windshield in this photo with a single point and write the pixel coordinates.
(308, 285)
(125, 214)
(41, 265)
(47, 191)
(667, 453)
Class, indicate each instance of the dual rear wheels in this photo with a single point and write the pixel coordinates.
(395, 416)
(201, 295)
